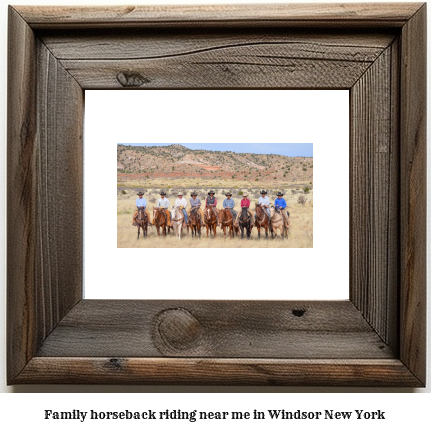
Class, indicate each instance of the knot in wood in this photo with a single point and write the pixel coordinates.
(298, 312)
(178, 328)
(131, 79)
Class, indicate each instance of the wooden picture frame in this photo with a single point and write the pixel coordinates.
(376, 338)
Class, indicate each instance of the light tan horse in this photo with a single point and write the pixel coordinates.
(277, 222)
(177, 219)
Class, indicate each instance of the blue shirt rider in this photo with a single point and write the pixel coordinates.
(229, 203)
(280, 204)
(141, 202)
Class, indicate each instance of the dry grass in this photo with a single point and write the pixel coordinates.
(205, 183)
(300, 235)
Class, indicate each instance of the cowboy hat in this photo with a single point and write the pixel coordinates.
(228, 194)
(180, 193)
(244, 194)
(140, 193)
(211, 192)
(193, 193)
(263, 192)
(279, 194)
(162, 192)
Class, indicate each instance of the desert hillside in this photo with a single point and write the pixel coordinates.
(172, 162)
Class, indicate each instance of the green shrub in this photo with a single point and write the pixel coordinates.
(123, 192)
(240, 192)
(306, 190)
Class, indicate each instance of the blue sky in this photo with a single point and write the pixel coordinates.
(286, 149)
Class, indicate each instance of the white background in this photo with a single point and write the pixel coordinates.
(26, 410)
(196, 116)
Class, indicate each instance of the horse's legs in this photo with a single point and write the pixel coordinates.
(139, 227)
(215, 230)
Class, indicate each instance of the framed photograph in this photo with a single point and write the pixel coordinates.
(239, 163)
(375, 337)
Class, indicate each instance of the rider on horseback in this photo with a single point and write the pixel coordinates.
(280, 205)
(264, 202)
(245, 202)
(229, 203)
(163, 203)
(211, 202)
(182, 204)
(195, 204)
(140, 202)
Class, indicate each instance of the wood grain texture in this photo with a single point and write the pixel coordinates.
(55, 337)
(59, 182)
(413, 194)
(45, 105)
(141, 44)
(258, 60)
(21, 196)
(374, 194)
(198, 371)
(208, 59)
(241, 329)
(308, 15)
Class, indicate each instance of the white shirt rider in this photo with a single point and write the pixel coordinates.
(181, 202)
(264, 201)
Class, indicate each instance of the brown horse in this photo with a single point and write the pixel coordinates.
(226, 220)
(142, 221)
(210, 219)
(195, 222)
(160, 220)
(262, 220)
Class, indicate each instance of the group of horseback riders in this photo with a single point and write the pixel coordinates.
(211, 202)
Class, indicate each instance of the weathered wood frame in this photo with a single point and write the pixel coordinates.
(377, 338)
